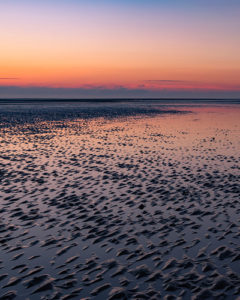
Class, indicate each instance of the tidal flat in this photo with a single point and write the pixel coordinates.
(119, 199)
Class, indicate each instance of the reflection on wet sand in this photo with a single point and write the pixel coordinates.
(142, 205)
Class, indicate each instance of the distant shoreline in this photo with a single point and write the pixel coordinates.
(40, 100)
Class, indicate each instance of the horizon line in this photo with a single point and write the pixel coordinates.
(115, 99)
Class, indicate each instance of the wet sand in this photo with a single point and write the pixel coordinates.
(135, 200)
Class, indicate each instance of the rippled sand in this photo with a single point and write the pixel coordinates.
(120, 201)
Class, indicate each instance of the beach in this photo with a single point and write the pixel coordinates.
(119, 199)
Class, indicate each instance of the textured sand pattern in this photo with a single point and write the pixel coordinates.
(135, 204)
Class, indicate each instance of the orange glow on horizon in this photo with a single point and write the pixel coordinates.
(88, 46)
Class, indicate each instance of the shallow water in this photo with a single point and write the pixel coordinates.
(138, 198)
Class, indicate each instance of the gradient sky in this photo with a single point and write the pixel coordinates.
(122, 48)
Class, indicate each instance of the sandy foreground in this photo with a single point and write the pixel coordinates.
(125, 200)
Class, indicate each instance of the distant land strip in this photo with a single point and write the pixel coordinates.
(36, 100)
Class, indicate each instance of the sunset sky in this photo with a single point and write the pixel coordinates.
(125, 48)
